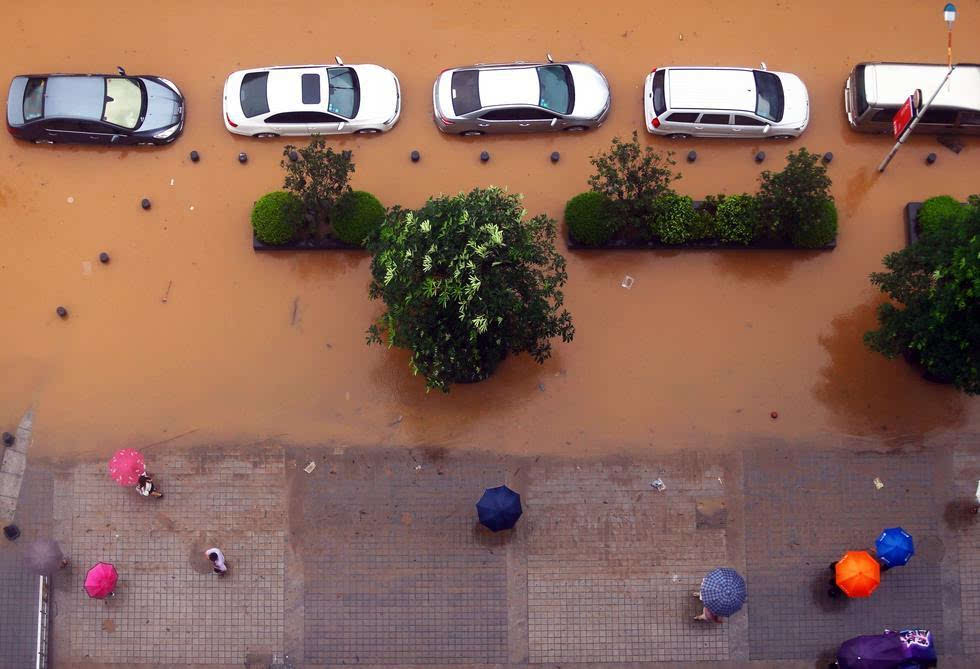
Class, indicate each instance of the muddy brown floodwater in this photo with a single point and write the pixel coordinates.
(704, 345)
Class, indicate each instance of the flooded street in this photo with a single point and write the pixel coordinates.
(248, 346)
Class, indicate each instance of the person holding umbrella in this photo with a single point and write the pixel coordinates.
(894, 548)
(722, 594)
(100, 581)
(499, 508)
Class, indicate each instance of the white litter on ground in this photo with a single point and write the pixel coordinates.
(71, 200)
(171, 182)
(658, 484)
(627, 282)
(310, 467)
(878, 484)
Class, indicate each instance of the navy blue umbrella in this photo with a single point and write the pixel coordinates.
(894, 547)
(499, 508)
(723, 591)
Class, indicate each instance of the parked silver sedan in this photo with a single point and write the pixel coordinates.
(520, 97)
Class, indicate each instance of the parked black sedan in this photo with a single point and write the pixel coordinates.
(94, 109)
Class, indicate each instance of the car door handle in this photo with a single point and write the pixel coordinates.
(699, 127)
(524, 125)
(483, 125)
(736, 130)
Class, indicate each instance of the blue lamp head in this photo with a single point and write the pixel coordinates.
(949, 15)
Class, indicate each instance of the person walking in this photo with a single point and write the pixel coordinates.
(722, 593)
(217, 561)
(146, 487)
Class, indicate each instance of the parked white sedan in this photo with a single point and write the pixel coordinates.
(311, 100)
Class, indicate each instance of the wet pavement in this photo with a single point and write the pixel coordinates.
(704, 344)
(375, 558)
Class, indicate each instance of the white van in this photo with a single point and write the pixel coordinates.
(874, 92)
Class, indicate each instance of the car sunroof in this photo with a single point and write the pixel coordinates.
(311, 89)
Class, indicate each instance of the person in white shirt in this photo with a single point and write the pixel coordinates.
(217, 561)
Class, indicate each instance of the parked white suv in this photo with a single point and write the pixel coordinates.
(684, 102)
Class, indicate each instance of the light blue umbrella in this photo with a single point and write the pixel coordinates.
(894, 547)
(723, 591)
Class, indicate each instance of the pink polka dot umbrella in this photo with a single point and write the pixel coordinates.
(126, 466)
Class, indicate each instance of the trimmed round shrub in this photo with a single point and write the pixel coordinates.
(737, 219)
(819, 232)
(358, 215)
(276, 217)
(675, 219)
(589, 218)
(941, 213)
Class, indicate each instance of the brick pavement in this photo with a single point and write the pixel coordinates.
(375, 558)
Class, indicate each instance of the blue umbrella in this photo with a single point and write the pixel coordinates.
(499, 508)
(723, 591)
(894, 547)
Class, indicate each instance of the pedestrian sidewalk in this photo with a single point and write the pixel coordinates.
(375, 558)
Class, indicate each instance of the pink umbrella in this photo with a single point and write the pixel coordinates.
(126, 466)
(100, 580)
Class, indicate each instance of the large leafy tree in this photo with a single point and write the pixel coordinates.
(467, 280)
(937, 282)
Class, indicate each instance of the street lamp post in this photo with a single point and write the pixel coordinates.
(949, 15)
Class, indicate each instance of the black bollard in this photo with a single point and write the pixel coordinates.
(8, 439)
(293, 156)
(827, 157)
(103, 257)
(195, 156)
(415, 156)
(145, 203)
(484, 156)
(11, 532)
(243, 157)
(759, 157)
(692, 155)
(930, 159)
(61, 311)
(555, 156)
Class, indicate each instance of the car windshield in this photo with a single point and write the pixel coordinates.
(34, 99)
(253, 94)
(123, 102)
(556, 88)
(466, 91)
(344, 95)
(769, 96)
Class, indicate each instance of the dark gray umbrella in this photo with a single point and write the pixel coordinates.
(44, 556)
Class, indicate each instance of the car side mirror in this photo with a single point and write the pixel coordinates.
(339, 61)
(554, 122)
(766, 129)
(764, 65)
(115, 139)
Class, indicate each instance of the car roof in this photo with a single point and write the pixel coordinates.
(284, 89)
(74, 97)
(889, 84)
(509, 86)
(710, 88)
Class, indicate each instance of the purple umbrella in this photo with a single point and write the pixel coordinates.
(887, 651)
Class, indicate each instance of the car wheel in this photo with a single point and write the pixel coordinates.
(471, 133)
(678, 135)
(367, 131)
(44, 141)
(576, 128)
(265, 135)
(782, 137)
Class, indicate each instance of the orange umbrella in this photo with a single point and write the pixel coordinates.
(858, 574)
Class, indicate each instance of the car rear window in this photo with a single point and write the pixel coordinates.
(253, 95)
(311, 89)
(466, 91)
(34, 99)
(659, 97)
(860, 91)
(557, 92)
(769, 96)
(344, 94)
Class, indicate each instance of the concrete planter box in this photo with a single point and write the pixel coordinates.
(326, 244)
(700, 245)
(912, 222)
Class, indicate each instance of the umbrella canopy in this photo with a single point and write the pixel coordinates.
(894, 546)
(723, 591)
(43, 556)
(886, 651)
(499, 508)
(858, 574)
(126, 466)
(100, 580)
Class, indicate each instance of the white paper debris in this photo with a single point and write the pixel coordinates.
(627, 282)
(310, 467)
(71, 200)
(171, 182)
(658, 484)
(878, 484)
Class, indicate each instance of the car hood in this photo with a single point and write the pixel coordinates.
(164, 106)
(591, 90)
(796, 101)
(379, 93)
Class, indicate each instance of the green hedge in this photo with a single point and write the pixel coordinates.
(358, 215)
(817, 232)
(940, 213)
(276, 217)
(589, 218)
(674, 219)
(737, 219)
